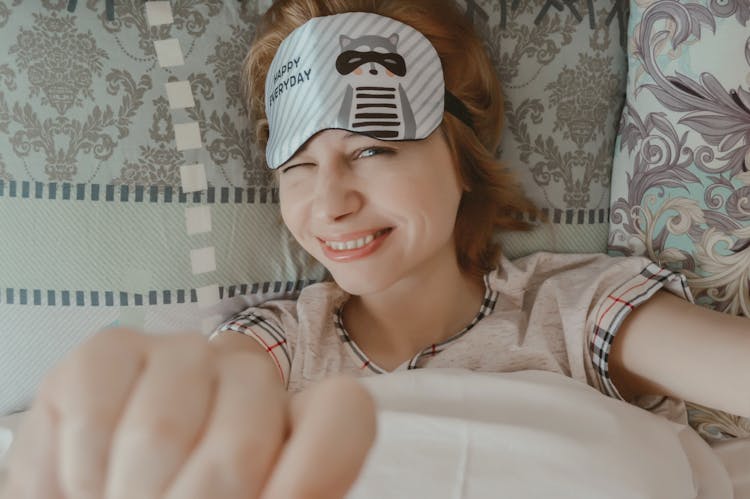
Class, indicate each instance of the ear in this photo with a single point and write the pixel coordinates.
(393, 39)
(344, 41)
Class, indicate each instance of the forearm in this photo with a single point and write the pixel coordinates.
(670, 347)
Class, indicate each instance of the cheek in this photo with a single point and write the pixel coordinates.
(292, 213)
(297, 223)
(434, 204)
(439, 202)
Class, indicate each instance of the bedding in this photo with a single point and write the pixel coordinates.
(458, 434)
(105, 234)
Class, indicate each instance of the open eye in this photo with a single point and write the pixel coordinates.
(368, 152)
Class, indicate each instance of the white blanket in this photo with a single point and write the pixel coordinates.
(456, 434)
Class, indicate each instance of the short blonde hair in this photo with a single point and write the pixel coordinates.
(493, 200)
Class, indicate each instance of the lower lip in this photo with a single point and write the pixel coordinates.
(354, 254)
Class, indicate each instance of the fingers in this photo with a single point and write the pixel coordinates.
(243, 436)
(32, 472)
(337, 417)
(50, 444)
(96, 381)
(134, 416)
(163, 419)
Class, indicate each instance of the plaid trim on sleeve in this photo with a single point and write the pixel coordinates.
(619, 303)
(267, 333)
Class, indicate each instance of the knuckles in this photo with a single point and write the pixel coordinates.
(230, 450)
(86, 367)
(79, 367)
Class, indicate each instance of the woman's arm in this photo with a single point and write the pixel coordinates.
(668, 346)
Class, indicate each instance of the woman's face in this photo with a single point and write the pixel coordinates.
(372, 212)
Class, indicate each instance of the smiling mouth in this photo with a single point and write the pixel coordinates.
(355, 244)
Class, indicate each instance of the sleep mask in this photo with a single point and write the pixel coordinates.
(360, 72)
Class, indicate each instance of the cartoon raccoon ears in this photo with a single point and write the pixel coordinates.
(345, 40)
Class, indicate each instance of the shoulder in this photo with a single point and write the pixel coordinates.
(281, 313)
(545, 261)
(577, 267)
(314, 298)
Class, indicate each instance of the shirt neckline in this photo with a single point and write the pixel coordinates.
(364, 362)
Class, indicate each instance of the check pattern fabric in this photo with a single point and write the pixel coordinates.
(619, 303)
(267, 333)
(488, 305)
(547, 311)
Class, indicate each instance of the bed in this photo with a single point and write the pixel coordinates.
(161, 216)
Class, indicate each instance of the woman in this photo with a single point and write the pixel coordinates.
(379, 119)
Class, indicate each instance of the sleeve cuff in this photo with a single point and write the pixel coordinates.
(267, 333)
(618, 304)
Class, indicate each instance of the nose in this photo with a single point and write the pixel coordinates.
(335, 196)
(373, 69)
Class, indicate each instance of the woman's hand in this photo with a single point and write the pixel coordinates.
(129, 415)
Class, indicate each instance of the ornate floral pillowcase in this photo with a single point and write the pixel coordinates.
(562, 66)
(680, 184)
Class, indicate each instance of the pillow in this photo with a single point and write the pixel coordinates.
(562, 66)
(131, 191)
(680, 184)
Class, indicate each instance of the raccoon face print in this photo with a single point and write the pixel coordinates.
(370, 56)
(374, 103)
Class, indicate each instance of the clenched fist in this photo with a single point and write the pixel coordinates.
(129, 415)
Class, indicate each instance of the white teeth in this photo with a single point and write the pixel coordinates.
(354, 244)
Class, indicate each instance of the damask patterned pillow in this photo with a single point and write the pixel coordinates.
(680, 186)
(131, 192)
(563, 70)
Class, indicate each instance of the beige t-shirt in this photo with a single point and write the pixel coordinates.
(546, 311)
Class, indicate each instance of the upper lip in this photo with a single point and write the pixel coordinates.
(350, 236)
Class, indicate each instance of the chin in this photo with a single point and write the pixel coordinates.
(362, 283)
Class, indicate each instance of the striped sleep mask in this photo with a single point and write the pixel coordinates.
(360, 72)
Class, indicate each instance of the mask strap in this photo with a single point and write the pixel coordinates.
(458, 109)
